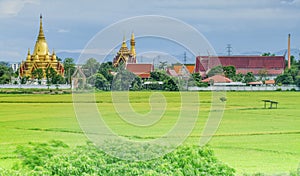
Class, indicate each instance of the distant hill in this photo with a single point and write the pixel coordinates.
(64, 55)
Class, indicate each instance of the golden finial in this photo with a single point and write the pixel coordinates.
(28, 51)
(132, 44)
(124, 42)
(41, 32)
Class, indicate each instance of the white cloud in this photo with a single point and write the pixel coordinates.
(62, 31)
(10, 8)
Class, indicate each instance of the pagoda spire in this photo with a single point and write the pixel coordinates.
(41, 46)
(132, 43)
(41, 32)
(124, 42)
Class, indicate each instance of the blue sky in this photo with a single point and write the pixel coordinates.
(256, 25)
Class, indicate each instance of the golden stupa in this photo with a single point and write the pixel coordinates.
(40, 58)
(125, 55)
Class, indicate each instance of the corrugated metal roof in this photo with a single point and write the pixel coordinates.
(274, 65)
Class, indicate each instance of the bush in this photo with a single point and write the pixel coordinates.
(47, 159)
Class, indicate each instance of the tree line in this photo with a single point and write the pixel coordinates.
(99, 75)
(105, 76)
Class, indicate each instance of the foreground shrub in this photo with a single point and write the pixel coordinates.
(47, 159)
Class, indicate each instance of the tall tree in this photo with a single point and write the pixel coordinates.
(90, 67)
(215, 71)
(6, 73)
(105, 69)
(285, 78)
(99, 81)
(69, 67)
(229, 71)
(162, 65)
(249, 77)
(52, 76)
(38, 74)
(239, 77)
(123, 80)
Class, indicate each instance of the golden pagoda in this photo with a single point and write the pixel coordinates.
(125, 55)
(40, 58)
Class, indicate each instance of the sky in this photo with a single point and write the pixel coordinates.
(69, 26)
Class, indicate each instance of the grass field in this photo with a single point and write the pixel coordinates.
(250, 139)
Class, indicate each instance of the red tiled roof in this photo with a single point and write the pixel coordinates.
(274, 65)
(190, 68)
(218, 79)
(177, 68)
(269, 81)
(255, 83)
(141, 70)
(172, 72)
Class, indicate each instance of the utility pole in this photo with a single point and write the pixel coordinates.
(184, 57)
(229, 51)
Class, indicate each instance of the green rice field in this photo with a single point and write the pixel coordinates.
(250, 139)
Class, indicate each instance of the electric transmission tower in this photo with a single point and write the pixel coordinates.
(229, 49)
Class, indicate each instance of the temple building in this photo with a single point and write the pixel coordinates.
(127, 58)
(40, 58)
(124, 55)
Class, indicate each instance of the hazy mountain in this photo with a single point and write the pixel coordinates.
(294, 52)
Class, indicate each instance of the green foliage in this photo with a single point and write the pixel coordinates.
(5, 73)
(285, 78)
(196, 77)
(36, 154)
(105, 69)
(268, 54)
(249, 77)
(90, 67)
(290, 75)
(215, 71)
(137, 84)
(52, 77)
(99, 81)
(46, 159)
(38, 74)
(238, 77)
(159, 75)
(169, 83)
(123, 80)
(229, 71)
(195, 80)
(69, 67)
(297, 81)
